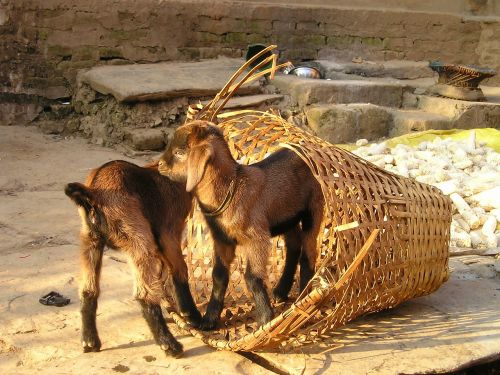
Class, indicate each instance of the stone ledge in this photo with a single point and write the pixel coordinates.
(398, 69)
(305, 91)
(465, 115)
(143, 82)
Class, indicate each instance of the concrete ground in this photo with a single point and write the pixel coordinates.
(457, 326)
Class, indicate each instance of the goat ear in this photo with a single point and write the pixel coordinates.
(196, 165)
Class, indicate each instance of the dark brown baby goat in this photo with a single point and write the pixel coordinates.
(142, 213)
(245, 206)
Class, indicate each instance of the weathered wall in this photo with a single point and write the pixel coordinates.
(473, 7)
(45, 42)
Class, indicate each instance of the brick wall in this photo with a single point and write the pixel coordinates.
(43, 43)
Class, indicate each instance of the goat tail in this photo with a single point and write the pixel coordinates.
(80, 194)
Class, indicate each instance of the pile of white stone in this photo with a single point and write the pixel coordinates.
(467, 171)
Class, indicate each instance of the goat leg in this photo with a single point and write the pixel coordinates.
(92, 247)
(306, 272)
(293, 249)
(149, 291)
(220, 278)
(173, 254)
(311, 229)
(154, 317)
(256, 285)
(185, 302)
(256, 250)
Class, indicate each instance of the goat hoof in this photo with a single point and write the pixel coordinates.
(174, 349)
(279, 297)
(194, 321)
(91, 345)
(207, 325)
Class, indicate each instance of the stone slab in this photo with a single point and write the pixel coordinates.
(451, 329)
(142, 82)
(460, 93)
(249, 101)
(399, 69)
(305, 91)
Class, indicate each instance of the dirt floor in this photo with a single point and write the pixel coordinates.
(453, 327)
(39, 253)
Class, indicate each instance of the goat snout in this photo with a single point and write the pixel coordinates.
(162, 166)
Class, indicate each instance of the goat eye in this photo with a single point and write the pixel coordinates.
(179, 153)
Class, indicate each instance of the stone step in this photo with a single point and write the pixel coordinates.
(305, 91)
(343, 123)
(142, 82)
(398, 69)
(250, 101)
(465, 115)
(408, 121)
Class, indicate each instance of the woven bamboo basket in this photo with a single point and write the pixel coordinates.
(384, 238)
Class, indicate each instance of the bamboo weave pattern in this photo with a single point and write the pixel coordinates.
(384, 241)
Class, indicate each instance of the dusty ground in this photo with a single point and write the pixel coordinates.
(38, 253)
(457, 325)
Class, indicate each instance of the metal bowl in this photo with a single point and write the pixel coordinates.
(306, 72)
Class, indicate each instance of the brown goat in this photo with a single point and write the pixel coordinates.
(245, 206)
(142, 213)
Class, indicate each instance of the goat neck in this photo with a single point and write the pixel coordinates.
(219, 173)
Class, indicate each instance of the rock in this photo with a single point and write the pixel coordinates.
(146, 139)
